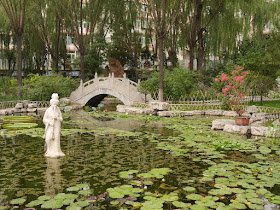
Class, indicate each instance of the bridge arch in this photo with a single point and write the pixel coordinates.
(95, 90)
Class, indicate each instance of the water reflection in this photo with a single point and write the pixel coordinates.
(53, 177)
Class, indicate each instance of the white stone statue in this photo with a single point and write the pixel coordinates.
(52, 120)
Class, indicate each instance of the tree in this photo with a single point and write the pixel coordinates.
(196, 17)
(162, 23)
(80, 19)
(16, 11)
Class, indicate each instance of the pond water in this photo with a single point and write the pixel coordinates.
(108, 152)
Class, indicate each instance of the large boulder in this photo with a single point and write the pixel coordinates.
(259, 130)
(167, 113)
(252, 109)
(219, 124)
(230, 114)
(214, 112)
(161, 106)
(19, 106)
(237, 129)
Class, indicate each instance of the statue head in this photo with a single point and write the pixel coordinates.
(54, 101)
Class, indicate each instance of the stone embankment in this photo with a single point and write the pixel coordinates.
(255, 127)
(27, 107)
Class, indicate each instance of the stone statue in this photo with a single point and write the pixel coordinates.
(52, 120)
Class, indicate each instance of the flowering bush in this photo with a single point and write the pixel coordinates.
(234, 88)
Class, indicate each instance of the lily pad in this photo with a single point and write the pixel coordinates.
(35, 203)
(72, 189)
(18, 201)
(84, 192)
(189, 189)
(20, 126)
(181, 204)
(52, 204)
(194, 197)
(44, 198)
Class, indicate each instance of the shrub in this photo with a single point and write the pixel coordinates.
(38, 87)
(8, 88)
(177, 83)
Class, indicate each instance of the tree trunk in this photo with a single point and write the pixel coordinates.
(200, 39)
(19, 64)
(82, 65)
(161, 69)
(191, 57)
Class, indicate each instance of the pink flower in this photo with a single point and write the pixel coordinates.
(225, 95)
(224, 79)
(245, 72)
(228, 86)
(240, 112)
(217, 80)
(225, 90)
(234, 78)
(241, 95)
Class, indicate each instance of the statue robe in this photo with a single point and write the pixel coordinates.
(52, 131)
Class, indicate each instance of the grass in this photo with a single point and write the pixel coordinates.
(275, 104)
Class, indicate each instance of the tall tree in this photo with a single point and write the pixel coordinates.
(162, 23)
(80, 19)
(196, 18)
(16, 11)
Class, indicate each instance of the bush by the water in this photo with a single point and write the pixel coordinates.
(8, 88)
(177, 83)
(38, 87)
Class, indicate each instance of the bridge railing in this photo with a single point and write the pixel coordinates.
(12, 104)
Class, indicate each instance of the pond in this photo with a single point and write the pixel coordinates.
(116, 161)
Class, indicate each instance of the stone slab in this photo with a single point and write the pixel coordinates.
(259, 130)
(162, 106)
(214, 112)
(230, 114)
(236, 129)
(219, 124)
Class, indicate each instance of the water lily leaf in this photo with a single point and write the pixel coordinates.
(18, 201)
(114, 202)
(181, 204)
(127, 187)
(115, 194)
(148, 182)
(52, 204)
(197, 207)
(71, 189)
(135, 182)
(44, 198)
(82, 203)
(238, 206)
(134, 195)
(194, 197)
(35, 203)
(68, 201)
(82, 185)
(189, 189)
(84, 192)
(256, 200)
(73, 207)
(205, 202)
(264, 150)
(136, 190)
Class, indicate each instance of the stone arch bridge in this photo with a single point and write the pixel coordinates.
(94, 91)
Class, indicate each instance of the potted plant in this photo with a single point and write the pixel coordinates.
(234, 88)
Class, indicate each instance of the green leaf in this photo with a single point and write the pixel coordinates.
(52, 204)
(18, 201)
(84, 192)
(44, 197)
(189, 189)
(71, 189)
(194, 197)
(35, 203)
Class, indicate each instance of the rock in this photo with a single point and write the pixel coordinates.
(148, 111)
(257, 117)
(259, 130)
(276, 122)
(214, 112)
(40, 110)
(19, 106)
(252, 109)
(30, 110)
(230, 114)
(186, 113)
(219, 124)
(31, 106)
(3, 112)
(236, 129)
(162, 106)
(16, 110)
(198, 112)
(25, 103)
(66, 101)
(166, 113)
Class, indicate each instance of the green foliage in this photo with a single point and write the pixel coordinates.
(8, 88)
(41, 87)
(177, 83)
